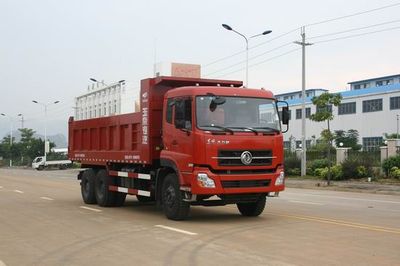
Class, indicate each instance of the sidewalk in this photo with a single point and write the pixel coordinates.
(353, 186)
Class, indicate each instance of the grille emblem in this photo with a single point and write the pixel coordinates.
(246, 157)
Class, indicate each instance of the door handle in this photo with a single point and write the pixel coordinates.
(174, 142)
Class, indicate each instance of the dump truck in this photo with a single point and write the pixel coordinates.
(194, 142)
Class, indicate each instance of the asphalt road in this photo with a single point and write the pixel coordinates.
(43, 221)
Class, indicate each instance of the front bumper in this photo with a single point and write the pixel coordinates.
(233, 183)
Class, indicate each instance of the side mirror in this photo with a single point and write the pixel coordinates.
(285, 115)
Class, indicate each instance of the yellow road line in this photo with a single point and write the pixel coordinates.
(340, 223)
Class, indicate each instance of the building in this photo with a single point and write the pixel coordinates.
(105, 100)
(372, 111)
(375, 82)
(297, 94)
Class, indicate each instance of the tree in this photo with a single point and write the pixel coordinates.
(26, 144)
(348, 139)
(324, 104)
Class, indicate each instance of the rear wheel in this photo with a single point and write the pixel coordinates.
(252, 208)
(87, 186)
(172, 199)
(104, 197)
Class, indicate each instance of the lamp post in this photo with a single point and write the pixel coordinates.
(45, 124)
(227, 27)
(11, 135)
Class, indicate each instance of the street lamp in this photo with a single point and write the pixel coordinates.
(227, 27)
(45, 124)
(11, 134)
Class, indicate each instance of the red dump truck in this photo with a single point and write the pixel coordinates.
(194, 142)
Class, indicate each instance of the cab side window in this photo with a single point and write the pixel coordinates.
(170, 104)
(183, 114)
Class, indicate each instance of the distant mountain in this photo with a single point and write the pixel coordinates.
(59, 139)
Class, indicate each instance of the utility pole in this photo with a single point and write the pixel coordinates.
(303, 96)
(22, 121)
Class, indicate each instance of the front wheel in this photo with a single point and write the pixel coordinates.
(252, 208)
(175, 208)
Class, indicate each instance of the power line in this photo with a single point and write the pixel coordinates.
(353, 29)
(251, 47)
(353, 15)
(261, 62)
(251, 58)
(357, 35)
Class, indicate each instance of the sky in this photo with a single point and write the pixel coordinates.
(49, 49)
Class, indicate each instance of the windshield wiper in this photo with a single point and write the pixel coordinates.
(270, 128)
(219, 127)
(248, 128)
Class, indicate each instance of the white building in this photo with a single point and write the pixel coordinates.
(372, 112)
(105, 100)
(374, 82)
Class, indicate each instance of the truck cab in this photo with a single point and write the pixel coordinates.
(224, 142)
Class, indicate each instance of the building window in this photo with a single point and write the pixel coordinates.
(372, 143)
(357, 87)
(379, 83)
(105, 109)
(115, 106)
(285, 97)
(299, 113)
(308, 143)
(109, 108)
(372, 105)
(347, 108)
(308, 112)
(286, 145)
(394, 103)
(365, 85)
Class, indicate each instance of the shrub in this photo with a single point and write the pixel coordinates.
(362, 171)
(318, 163)
(356, 168)
(292, 165)
(293, 171)
(394, 172)
(336, 172)
(391, 162)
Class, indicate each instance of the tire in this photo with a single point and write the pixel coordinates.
(104, 197)
(40, 168)
(87, 186)
(252, 208)
(145, 199)
(172, 199)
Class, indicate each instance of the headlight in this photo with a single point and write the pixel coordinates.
(204, 181)
(281, 179)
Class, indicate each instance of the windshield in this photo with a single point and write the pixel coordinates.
(222, 113)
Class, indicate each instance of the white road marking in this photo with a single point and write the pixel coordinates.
(18, 191)
(176, 230)
(90, 209)
(46, 198)
(305, 202)
(2, 263)
(344, 198)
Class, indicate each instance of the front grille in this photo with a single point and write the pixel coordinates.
(232, 157)
(245, 183)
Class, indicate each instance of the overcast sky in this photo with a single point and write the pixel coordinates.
(49, 49)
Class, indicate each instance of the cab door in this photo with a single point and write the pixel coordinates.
(178, 133)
